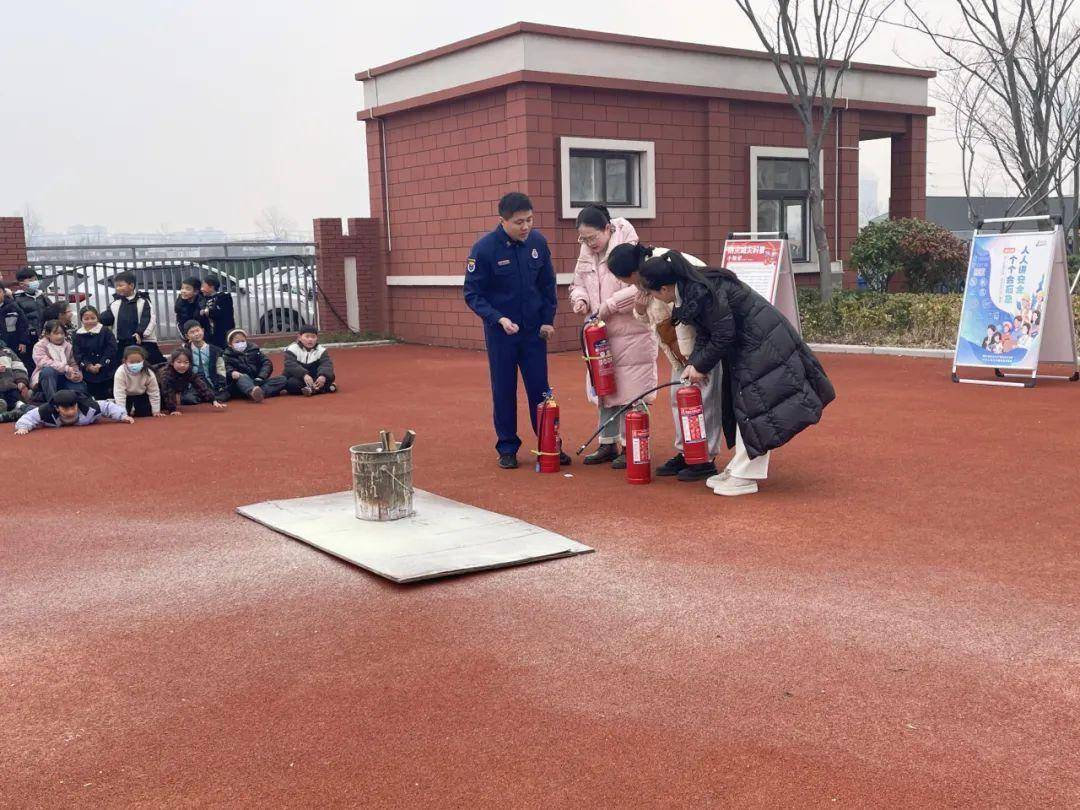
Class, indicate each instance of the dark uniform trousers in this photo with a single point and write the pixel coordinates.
(515, 280)
(507, 354)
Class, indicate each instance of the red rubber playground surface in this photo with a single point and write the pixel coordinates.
(893, 621)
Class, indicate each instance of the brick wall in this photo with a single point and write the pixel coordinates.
(361, 240)
(448, 164)
(12, 246)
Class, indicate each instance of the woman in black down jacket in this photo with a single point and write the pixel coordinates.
(773, 385)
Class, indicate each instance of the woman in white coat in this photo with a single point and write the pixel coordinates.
(596, 291)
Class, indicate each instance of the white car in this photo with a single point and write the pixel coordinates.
(277, 300)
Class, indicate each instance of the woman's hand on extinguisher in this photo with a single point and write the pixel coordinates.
(508, 326)
(581, 307)
(693, 376)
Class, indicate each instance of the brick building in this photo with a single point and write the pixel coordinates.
(687, 141)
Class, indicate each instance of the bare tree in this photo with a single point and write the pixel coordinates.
(1011, 77)
(274, 223)
(811, 45)
(33, 227)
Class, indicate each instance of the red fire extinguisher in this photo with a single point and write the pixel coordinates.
(598, 357)
(549, 445)
(638, 465)
(692, 423)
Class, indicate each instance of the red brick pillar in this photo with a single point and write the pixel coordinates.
(532, 160)
(334, 249)
(12, 246)
(907, 197)
(721, 192)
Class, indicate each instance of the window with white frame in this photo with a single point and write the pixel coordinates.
(618, 174)
(780, 196)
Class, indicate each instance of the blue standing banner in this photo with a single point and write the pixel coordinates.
(1016, 311)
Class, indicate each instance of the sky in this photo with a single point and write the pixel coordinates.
(147, 116)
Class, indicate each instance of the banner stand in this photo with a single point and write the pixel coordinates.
(1017, 289)
(762, 259)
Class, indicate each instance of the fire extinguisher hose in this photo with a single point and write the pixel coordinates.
(623, 410)
(585, 350)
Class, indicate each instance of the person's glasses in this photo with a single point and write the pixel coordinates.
(589, 240)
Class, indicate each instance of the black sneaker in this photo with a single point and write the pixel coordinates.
(672, 466)
(697, 472)
(564, 460)
(604, 454)
(620, 462)
(508, 461)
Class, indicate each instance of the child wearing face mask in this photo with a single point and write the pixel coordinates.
(95, 352)
(308, 367)
(32, 301)
(249, 370)
(135, 386)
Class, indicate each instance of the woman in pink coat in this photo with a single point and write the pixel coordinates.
(596, 291)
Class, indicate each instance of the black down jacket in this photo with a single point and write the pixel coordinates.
(774, 386)
(251, 362)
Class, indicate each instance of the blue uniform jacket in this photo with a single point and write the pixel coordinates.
(511, 279)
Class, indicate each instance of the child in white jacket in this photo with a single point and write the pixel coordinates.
(135, 386)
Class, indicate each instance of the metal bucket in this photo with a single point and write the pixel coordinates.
(382, 482)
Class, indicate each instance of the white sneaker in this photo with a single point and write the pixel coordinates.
(733, 485)
(713, 480)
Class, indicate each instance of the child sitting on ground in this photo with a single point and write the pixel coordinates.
(182, 386)
(14, 385)
(55, 368)
(189, 303)
(308, 367)
(132, 319)
(249, 370)
(67, 408)
(206, 359)
(135, 386)
(95, 352)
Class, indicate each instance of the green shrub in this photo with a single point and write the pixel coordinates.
(924, 320)
(931, 257)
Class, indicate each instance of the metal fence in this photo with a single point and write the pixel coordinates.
(272, 294)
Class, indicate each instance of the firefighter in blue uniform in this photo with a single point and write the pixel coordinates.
(510, 284)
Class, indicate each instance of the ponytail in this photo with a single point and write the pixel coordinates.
(626, 259)
(595, 216)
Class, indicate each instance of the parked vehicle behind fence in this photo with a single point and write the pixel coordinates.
(270, 296)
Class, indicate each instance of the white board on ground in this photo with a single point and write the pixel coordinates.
(443, 538)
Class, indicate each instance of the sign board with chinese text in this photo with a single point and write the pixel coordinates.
(1016, 311)
(764, 265)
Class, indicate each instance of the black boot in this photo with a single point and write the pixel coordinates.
(697, 472)
(672, 466)
(605, 453)
(564, 460)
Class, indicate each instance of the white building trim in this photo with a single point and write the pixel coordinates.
(646, 169)
(810, 265)
(545, 52)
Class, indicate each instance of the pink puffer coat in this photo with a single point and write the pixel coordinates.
(633, 344)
